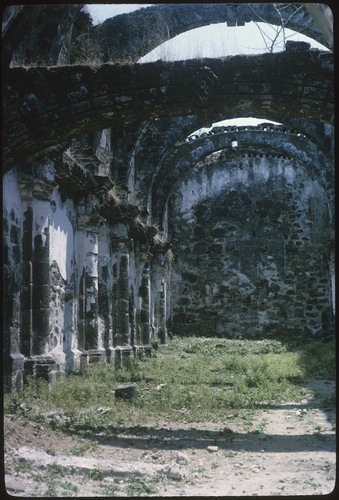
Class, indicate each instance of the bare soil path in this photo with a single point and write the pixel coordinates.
(286, 450)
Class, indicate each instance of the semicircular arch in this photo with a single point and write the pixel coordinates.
(82, 99)
(252, 141)
(133, 35)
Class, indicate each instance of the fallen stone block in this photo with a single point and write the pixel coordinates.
(127, 392)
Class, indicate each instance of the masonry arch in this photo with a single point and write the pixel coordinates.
(85, 99)
(146, 29)
(260, 141)
(231, 227)
(219, 40)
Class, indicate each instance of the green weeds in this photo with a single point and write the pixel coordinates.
(51, 490)
(70, 487)
(23, 465)
(111, 490)
(318, 359)
(192, 379)
(96, 474)
(137, 487)
(57, 470)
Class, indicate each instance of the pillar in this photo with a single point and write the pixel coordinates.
(37, 184)
(115, 304)
(162, 332)
(145, 296)
(13, 360)
(121, 247)
(26, 189)
(41, 288)
(123, 327)
(27, 283)
(160, 297)
(87, 238)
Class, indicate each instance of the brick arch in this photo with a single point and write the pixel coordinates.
(251, 141)
(135, 34)
(46, 107)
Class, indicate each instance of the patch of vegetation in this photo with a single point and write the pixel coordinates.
(68, 486)
(57, 470)
(214, 465)
(329, 401)
(318, 359)
(327, 466)
(229, 454)
(137, 487)
(111, 490)
(318, 433)
(193, 379)
(39, 478)
(96, 474)
(311, 482)
(79, 451)
(23, 465)
(51, 490)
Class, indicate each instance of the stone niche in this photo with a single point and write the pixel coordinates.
(249, 238)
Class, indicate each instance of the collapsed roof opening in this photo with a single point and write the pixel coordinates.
(220, 40)
(244, 121)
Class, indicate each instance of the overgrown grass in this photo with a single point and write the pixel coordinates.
(190, 379)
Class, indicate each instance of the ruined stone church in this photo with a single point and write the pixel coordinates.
(123, 223)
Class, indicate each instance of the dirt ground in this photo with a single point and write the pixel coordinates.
(288, 450)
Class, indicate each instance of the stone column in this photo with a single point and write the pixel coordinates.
(160, 297)
(145, 313)
(120, 295)
(26, 187)
(37, 184)
(87, 260)
(115, 304)
(43, 187)
(143, 298)
(109, 338)
(27, 283)
(13, 360)
(162, 333)
(41, 289)
(123, 327)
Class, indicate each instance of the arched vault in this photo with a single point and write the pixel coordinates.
(250, 141)
(133, 35)
(47, 106)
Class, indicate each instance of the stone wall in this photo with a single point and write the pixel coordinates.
(250, 238)
(79, 288)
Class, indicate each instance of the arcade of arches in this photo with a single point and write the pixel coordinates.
(123, 224)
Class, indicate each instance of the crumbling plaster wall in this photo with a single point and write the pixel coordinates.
(79, 288)
(250, 238)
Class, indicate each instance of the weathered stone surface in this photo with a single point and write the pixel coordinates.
(127, 392)
(89, 98)
(243, 277)
(131, 36)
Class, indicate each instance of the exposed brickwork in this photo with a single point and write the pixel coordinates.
(250, 249)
